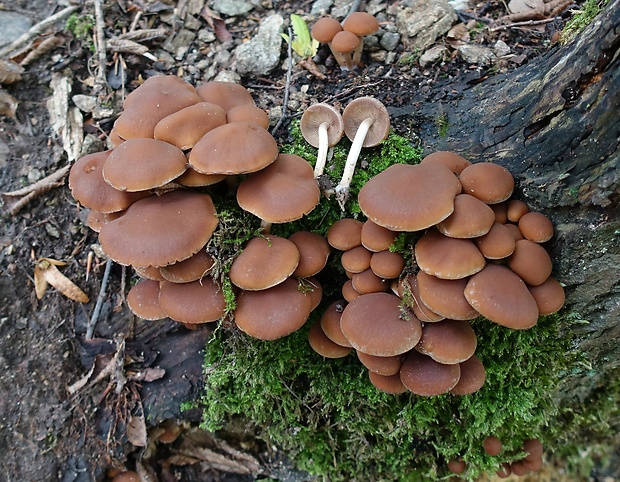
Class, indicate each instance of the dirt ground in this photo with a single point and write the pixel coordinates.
(61, 416)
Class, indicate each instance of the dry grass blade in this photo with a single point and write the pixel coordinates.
(144, 34)
(129, 47)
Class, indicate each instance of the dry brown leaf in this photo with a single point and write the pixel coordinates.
(136, 431)
(42, 48)
(46, 268)
(8, 104)
(10, 72)
(147, 375)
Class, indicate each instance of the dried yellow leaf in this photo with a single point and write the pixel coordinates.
(46, 272)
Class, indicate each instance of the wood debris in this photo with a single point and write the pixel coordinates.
(16, 200)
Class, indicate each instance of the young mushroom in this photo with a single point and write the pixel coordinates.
(343, 45)
(360, 24)
(323, 31)
(322, 127)
(366, 124)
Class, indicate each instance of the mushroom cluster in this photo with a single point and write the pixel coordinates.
(492, 445)
(477, 253)
(346, 40)
(149, 196)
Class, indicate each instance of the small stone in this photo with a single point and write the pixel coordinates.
(477, 54)
(207, 36)
(421, 22)
(321, 7)
(228, 76)
(389, 41)
(435, 54)
(232, 7)
(86, 103)
(262, 53)
(501, 48)
(12, 25)
(180, 43)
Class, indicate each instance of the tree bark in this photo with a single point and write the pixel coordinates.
(555, 124)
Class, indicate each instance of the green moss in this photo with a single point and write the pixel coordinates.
(581, 19)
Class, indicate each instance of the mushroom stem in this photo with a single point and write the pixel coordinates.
(321, 157)
(342, 189)
(340, 58)
(265, 226)
(357, 53)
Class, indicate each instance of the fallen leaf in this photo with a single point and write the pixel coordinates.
(8, 104)
(10, 72)
(46, 272)
(136, 431)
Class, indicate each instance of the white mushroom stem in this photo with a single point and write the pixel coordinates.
(342, 189)
(321, 157)
(357, 53)
(265, 226)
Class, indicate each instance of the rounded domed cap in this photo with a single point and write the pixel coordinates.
(142, 164)
(200, 301)
(531, 262)
(345, 234)
(452, 161)
(409, 198)
(381, 365)
(424, 376)
(324, 29)
(185, 127)
(492, 445)
(376, 324)
(536, 227)
(361, 24)
(473, 376)
(501, 296)
(445, 296)
(549, 296)
(313, 253)
(318, 114)
(387, 264)
(388, 384)
(248, 113)
(345, 42)
(282, 192)
(155, 99)
(409, 290)
(377, 238)
(448, 341)
(90, 189)
(491, 183)
(191, 269)
(264, 262)
(330, 323)
(273, 313)
(360, 109)
(225, 94)
(143, 300)
(498, 243)
(356, 260)
(471, 218)
(321, 344)
(447, 258)
(160, 230)
(237, 148)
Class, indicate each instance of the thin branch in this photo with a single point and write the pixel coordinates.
(90, 328)
(101, 47)
(287, 87)
(528, 23)
(36, 30)
(29, 193)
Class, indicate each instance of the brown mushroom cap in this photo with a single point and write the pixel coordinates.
(388, 384)
(536, 227)
(368, 282)
(345, 234)
(457, 466)
(375, 324)
(316, 115)
(95, 219)
(282, 192)
(90, 189)
(488, 182)
(156, 98)
(452, 161)
(313, 288)
(381, 365)
(445, 296)
(492, 445)
(200, 301)
(377, 238)
(248, 113)
(225, 94)
(330, 323)
(471, 218)
(409, 198)
(409, 290)
(272, 313)
(324, 29)
(345, 42)
(142, 164)
(348, 292)
(473, 376)
(361, 24)
(149, 272)
(143, 300)
(500, 210)
(549, 296)
(237, 148)
(448, 341)
(360, 109)
(424, 376)
(498, 243)
(191, 269)
(533, 447)
(515, 208)
(185, 127)
(356, 260)
(313, 253)
(515, 231)
(387, 265)
(264, 262)
(531, 262)
(447, 258)
(499, 295)
(160, 230)
(321, 344)
(193, 178)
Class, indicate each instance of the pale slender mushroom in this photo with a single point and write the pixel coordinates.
(366, 124)
(322, 127)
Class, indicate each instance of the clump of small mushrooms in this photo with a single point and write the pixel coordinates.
(478, 253)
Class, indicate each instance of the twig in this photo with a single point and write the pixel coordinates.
(37, 189)
(528, 23)
(36, 30)
(287, 86)
(90, 328)
(101, 48)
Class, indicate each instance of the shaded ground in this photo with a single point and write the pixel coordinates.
(49, 432)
